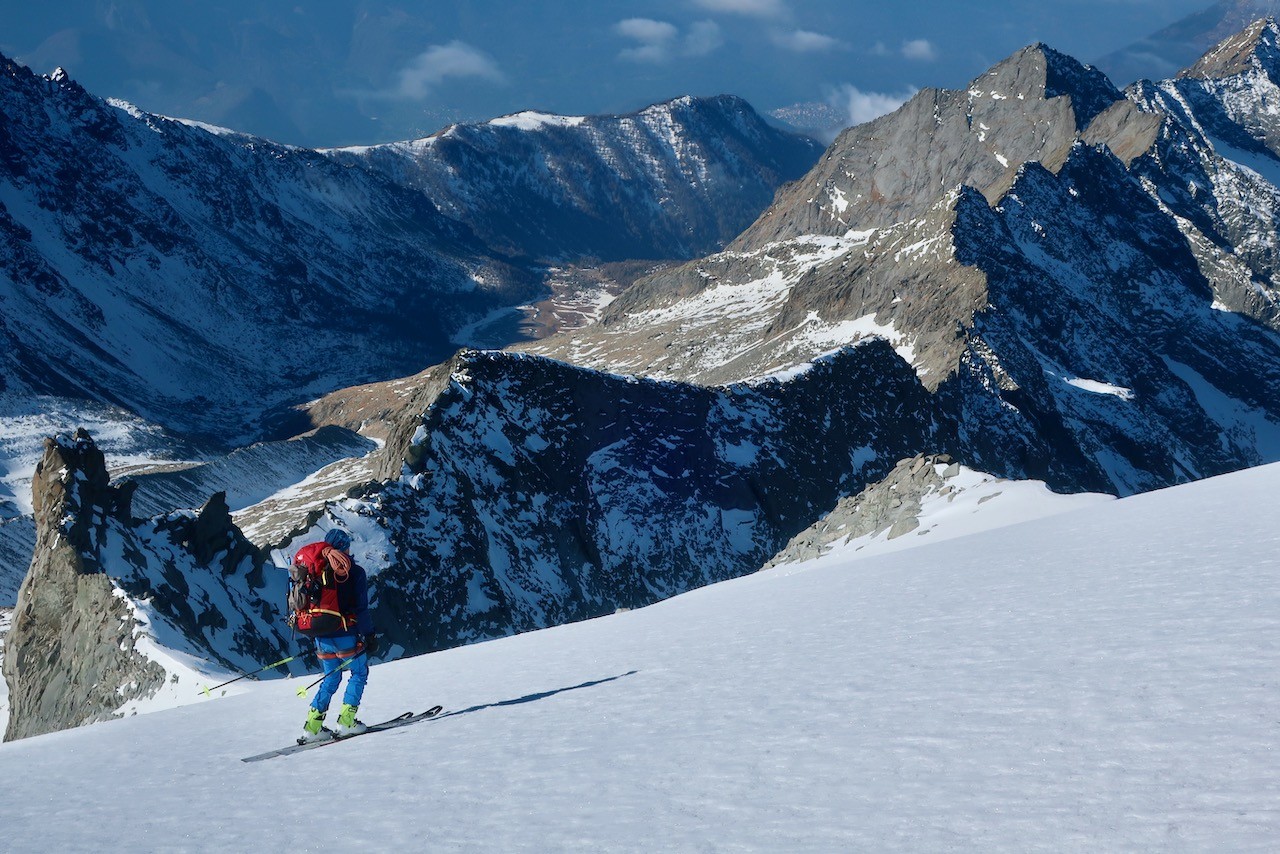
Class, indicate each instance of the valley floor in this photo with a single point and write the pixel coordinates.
(1102, 680)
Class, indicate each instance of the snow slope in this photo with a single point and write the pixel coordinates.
(1101, 680)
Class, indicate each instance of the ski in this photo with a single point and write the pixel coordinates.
(398, 721)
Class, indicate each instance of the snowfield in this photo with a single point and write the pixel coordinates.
(1102, 680)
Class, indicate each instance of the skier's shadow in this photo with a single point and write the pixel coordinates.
(533, 698)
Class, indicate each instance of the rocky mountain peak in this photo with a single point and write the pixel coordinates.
(73, 474)
(1257, 47)
(1040, 72)
(1033, 106)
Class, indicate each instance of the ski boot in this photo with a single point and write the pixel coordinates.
(313, 729)
(347, 723)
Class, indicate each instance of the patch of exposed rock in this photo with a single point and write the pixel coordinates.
(70, 657)
(104, 587)
(892, 504)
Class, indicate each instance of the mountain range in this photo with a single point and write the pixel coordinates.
(1169, 50)
(205, 279)
(675, 180)
(1039, 276)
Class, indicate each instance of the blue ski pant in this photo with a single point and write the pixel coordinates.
(335, 652)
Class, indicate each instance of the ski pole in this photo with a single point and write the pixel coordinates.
(207, 689)
(302, 692)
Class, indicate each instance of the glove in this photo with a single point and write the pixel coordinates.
(371, 644)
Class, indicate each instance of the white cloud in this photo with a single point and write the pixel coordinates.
(646, 30)
(862, 106)
(756, 8)
(920, 49)
(703, 38)
(430, 68)
(805, 41)
(659, 41)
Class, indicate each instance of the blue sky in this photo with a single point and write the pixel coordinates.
(350, 71)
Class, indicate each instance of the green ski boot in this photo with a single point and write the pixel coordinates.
(313, 729)
(347, 723)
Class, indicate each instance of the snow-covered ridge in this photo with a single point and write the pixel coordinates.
(532, 120)
(669, 181)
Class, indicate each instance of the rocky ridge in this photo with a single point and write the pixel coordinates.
(111, 605)
(531, 493)
(674, 180)
(1054, 273)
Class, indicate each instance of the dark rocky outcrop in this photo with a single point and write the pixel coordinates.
(78, 650)
(533, 493)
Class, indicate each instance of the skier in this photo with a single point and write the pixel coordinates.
(346, 649)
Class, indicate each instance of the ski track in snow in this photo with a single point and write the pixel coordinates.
(1103, 680)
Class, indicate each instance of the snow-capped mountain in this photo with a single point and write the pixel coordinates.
(201, 278)
(1074, 286)
(675, 180)
(176, 286)
(1082, 280)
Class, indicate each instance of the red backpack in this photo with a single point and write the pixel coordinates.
(314, 609)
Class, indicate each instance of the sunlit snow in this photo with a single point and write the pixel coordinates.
(1101, 680)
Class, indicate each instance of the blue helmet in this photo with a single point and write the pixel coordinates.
(339, 539)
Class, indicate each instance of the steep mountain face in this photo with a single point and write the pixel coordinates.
(865, 238)
(1223, 137)
(1055, 268)
(1032, 106)
(114, 610)
(531, 493)
(675, 180)
(202, 278)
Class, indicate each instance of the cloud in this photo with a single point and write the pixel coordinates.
(646, 30)
(806, 41)
(654, 37)
(755, 8)
(920, 49)
(862, 106)
(659, 41)
(429, 69)
(703, 38)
